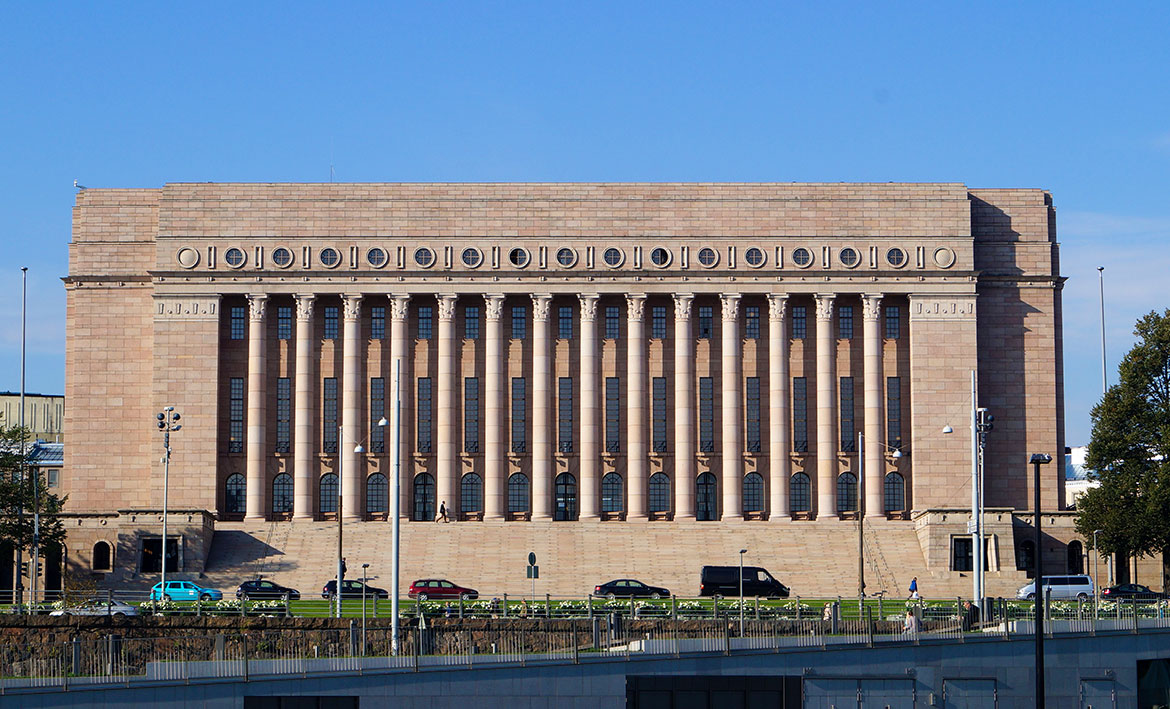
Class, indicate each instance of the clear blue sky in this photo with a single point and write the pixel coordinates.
(1068, 97)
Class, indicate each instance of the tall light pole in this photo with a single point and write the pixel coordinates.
(395, 508)
(741, 553)
(1101, 290)
(23, 439)
(897, 453)
(1039, 459)
(168, 421)
(1096, 578)
(365, 568)
(340, 525)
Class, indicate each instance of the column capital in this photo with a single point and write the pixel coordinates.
(730, 303)
(399, 307)
(777, 302)
(447, 307)
(495, 306)
(588, 306)
(635, 306)
(871, 305)
(256, 305)
(682, 305)
(305, 305)
(541, 304)
(825, 306)
(353, 306)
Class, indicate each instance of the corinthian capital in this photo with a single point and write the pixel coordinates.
(871, 306)
(353, 306)
(541, 304)
(682, 306)
(730, 305)
(399, 307)
(305, 306)
(635, 305)
(588, 307)
(776, 305)
(824, 306)
(447, 307)
(256, 305)
(495, 306)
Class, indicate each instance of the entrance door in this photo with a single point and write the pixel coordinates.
(1098, 694)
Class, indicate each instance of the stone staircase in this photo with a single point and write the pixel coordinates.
(817, 559)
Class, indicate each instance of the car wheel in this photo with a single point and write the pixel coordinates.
(422, 596)
(465, 597)
(1082, 596)
(1030, 597)
(119, 614)
(166, 598)
(205, 597)
(655, 596)
(243, 596)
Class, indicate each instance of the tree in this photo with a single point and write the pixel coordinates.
(16, 492)
(1129, 452)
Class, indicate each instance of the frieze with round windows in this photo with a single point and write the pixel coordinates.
(518, 257)
(896, 257)
(755, 257)
(849, 257)
(330, 257)
(472, 257)
(613, 257)
(660, 257)
(234, 257)
(802, 257)
(708, 257)
(566, 257)
(376, 257)
(944, 257)
(188, 257)
(424, 257)
(282, 257)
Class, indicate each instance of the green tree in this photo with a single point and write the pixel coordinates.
(16, 492)
(1129, 452)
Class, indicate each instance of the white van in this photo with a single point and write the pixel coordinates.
(1062, 587)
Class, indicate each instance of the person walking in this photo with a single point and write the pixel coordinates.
(914, 588)
(910, 625)
(442, 512)
(344, 568)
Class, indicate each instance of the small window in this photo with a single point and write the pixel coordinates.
(471, 322)
(799, 322)
(518, 257)
(376, 257)
(962, 554)
(896, 257)
(472, 257)
(706, 315)
(893, 322)
(234, 257)
(845, 322)
(284, 322)
(708, 257)
(658, 322)
(565, 322)
(613, 322)
(849, 257)
(102, 557)
(378, 322)
(282, 257)
(613, 257)
(238, 324)
(519, 322)
(331, 315)
(566, 257)
(330, 257)
(751, 329)
(755, 257)
(660, 257)
(426, 322)
(802, 257)
(424, 257)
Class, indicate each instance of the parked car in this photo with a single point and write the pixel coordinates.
(1134, 591)
(352, 589)
(261, 589)
(184, 591)
(724, 581)
(1061, 587)
(438, 589)
(99, 606)
(629, 588)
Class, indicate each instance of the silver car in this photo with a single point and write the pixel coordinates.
(99, 606)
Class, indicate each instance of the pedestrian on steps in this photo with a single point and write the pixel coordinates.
(914, 588)
(343, 568)
(442, 512)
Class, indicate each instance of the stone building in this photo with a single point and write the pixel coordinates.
(44, 414)
(701, 363)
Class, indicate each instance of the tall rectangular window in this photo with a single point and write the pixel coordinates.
(752, 394)
(471, 414)
(845, 322)
(800, 414)
(329, 415)
(378, 322)
(706, 415)
(519, 322)
(565, 414)
(658, 322)
(471, 322)
(848, 432)
(425, 411)
(706, 314)
(799, 322)
(613, 322)
(238, 324)
(962, 554)
(331, 314)
(426, 322)
(284, 322)
(519, 415)
(283, 414)
(613, 415)
(751, 329)
(658, 413)
(236, 415)
(894, 412)
(893, 322)
(377, 412)
(565, 322)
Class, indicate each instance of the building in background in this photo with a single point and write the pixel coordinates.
(44, 414)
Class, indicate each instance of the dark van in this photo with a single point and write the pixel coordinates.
(724, 580)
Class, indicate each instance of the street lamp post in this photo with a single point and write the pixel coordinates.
(1038, 459)
(897, 453)
(340, 524)
(395, 508)
(741, 553)
(168, 421)
(365, 568)
(36, 517)
(1096, 578)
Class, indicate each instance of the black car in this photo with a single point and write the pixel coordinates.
(260, 589)
(1131, 591)
(729, 580)
(629, 588)
(352, 589)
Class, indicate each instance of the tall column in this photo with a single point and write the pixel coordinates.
(732, 440)
(351, 365)
(255, 507)
(590, 458)
(445, 455)
(684, 409)
(542, 428)
(872, 362)
(400, 395)
(826, 409)
(493, 411)
(303, 418)
(779, 443)
(637, 452)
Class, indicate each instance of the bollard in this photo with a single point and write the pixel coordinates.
(798, 608)
(673, 607)
(504, 614)
(881, 611)
(76, 642)
(591, 605)
(835, 619)
(353, 639)
(460, 606)
(547, 605)
(596, 633)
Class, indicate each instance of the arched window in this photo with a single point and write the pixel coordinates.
(660, 492)
(1076, 558)
(706, 506)
(846, 492)
(753, 492)
(327, 493)
(233, 494)
(282, 494)
(377, 494)
(612, 499)
(1026, 558)
(895, 492)
(471, 493)
(518, 493)
(102, 557)
(800, 493)
(424, 498)
(566, 498)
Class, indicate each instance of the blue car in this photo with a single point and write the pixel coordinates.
(184, 591)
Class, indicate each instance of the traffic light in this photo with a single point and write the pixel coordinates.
(983, 420)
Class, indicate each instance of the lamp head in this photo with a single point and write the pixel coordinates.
(897, 453)
(383, 422)
(948, 429)
(743, 551)
(1041, 458)
(358, 449)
